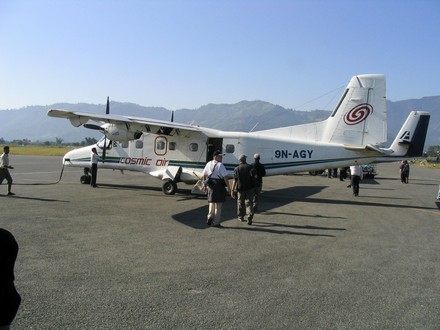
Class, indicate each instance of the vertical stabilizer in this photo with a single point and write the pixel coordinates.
(359, 119)
(410, 140)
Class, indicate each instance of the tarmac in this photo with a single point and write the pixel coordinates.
(126, 256)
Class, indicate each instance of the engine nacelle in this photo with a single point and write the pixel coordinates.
(120, 133)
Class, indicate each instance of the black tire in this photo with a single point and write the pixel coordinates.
(169, 187)
(315, 173)
(85, 179)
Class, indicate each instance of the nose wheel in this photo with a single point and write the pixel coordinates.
(169, 187)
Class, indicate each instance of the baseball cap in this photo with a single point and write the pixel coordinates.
(217, 153)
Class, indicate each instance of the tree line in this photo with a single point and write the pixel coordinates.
(58, 142)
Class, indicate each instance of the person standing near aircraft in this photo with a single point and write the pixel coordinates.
(356, 177)
(404, 171)
(258, 180)
(343, 173)
(4, 169)
(94, 158)
(217, 192)
(9, 297)
(245, 192)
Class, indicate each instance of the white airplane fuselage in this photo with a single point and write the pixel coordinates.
(153, 154)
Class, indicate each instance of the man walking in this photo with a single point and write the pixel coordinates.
(356, 177)
(217, 192)
(245, 192)
(4, 169)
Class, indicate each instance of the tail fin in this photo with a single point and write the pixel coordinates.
(410, 140)
(359, 119)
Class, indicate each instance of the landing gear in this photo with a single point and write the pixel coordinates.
(315, 173)
(169, 187)
(86, 178)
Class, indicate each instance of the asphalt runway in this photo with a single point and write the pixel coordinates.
(125, 256)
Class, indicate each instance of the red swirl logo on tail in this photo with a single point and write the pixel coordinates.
(358, 114)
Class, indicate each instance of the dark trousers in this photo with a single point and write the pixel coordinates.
(4, 174)
(94, 174)
(355, 179)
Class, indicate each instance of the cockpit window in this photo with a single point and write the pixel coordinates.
(107, 142)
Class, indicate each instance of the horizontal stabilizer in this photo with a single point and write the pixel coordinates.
(365, 148)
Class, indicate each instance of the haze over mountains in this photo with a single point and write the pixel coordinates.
(33, 123)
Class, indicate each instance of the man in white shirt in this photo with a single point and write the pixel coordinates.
(94, 158)
(217, 192)
(4, 169)
(356, 177)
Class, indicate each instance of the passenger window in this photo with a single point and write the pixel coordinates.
(161, 146)
(139, 144)
(172, 146)
(230, 148)
(124, 144)
(193, 147)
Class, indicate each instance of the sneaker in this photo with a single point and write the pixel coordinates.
(241, 219)
(10, 194)
(249, 222)
(209, 222)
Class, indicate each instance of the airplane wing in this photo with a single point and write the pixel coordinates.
(131, 123)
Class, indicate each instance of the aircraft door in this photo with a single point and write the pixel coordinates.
(213, 144)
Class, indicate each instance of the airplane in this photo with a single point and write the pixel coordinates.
(172, 152)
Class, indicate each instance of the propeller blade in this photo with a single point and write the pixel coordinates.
(107, 108)
(93, 126)
(104, 150)
(172, 116)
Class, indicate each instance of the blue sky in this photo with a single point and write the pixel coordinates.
(185, 54)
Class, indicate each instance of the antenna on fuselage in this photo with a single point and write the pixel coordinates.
(253, 127)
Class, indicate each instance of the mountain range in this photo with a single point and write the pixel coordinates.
(32, 122)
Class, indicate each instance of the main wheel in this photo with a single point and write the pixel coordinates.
(85, 179)
(169, 187)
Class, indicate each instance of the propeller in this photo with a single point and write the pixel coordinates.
(166, 130)
(104, 150)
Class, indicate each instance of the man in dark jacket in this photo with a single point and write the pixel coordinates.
(242, 184)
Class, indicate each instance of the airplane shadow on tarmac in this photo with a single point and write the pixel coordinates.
(273, 199)
(270, 200)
